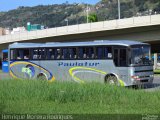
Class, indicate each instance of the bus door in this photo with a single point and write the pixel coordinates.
(5, 61)
(121, 62)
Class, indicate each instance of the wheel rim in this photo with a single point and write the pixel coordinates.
(42, 77)
(112, 80)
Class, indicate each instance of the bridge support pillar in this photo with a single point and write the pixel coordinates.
(155, 61)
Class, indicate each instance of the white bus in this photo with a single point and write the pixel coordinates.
(122, 63)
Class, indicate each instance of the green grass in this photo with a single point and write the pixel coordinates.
(157, 71)
(41, 97)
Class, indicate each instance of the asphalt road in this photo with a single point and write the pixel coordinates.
(152, 87)
(155, 85)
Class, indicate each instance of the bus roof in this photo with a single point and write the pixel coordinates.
(63, 44)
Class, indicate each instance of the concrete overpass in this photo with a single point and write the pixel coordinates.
(144, 28)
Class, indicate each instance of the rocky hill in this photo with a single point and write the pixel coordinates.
(55, 15)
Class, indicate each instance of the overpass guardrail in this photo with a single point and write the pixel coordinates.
(83, 28)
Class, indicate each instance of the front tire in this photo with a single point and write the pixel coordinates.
(41, 77)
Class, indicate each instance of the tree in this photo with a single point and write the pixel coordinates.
(93, 18)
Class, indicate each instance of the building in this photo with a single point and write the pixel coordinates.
(2, 31)
(18, 30)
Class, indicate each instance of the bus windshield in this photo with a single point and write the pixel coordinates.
(140, 55)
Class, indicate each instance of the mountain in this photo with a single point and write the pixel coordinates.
(49, 15)
(108, 9)
(55, 15)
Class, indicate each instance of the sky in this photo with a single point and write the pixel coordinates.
(6, 5)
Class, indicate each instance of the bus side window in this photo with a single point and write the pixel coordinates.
(90, 52)
(26, 54)
(41, 53)
(50, 53)
(107, 52)
(81, 53)
(72, 53)
(20, 54)
(57, 53)
(99, 52)
(35, 54)
(64, 53)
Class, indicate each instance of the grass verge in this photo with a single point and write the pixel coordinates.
(40, 97)
(157, 71)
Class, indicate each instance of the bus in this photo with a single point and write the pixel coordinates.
(5, 61)
(121, 63)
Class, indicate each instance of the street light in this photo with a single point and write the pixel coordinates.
(119, 10)
(150, 11)
(66, 21)
(87, 13)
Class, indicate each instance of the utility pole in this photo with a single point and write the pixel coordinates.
(119, 10)
(134, 8)
(87, 12)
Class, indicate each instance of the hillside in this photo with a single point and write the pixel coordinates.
(50, 15)
(107, 9)
(55, 15)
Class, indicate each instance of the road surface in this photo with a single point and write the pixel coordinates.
(155, 85)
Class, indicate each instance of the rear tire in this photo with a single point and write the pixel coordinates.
(111, 80)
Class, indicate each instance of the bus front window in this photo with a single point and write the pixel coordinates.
(140, 55)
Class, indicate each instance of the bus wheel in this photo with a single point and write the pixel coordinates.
(41, 76)
(111, 80)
